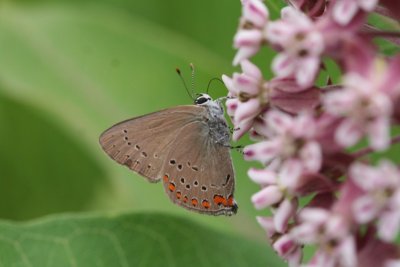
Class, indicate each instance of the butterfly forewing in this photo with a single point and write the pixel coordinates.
(143, 143)
(193, 174)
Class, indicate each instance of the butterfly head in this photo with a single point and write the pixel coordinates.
(202, 99)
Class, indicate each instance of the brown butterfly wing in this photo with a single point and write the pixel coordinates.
(198, 173)
(143, 143)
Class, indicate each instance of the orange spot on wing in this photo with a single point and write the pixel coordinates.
(165, 178)
(194, 202)
(230, 201)
(218, 200)
(178, 195)
(206, 204)
(171, 187)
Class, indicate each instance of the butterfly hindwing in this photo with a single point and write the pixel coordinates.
(198, 172)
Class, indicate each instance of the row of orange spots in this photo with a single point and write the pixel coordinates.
(220, 200)
(194, 201)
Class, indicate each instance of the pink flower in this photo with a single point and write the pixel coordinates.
(302, 45)
(381, 198)
(290, 138)
(345, 10)
(331, 232)
(250, 95)
(366, 109)
(251, 33)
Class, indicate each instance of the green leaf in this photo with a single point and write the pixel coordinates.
(127, 240)
(42, 167)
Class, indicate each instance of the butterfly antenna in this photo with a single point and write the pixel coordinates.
(184, 83)
(193, 80)
(213, 79)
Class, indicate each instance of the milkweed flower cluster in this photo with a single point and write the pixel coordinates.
(320, 190)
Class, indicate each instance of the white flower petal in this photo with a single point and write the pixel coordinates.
(284, 212)
(266, 197)
(283, 65)
(388, 225)
(379, 133)
(311, 155)
(262, 176)
(344, 11)
(365, 209)
(348, 133)
(307, 70)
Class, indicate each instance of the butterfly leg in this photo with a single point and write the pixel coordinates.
(238, 148)
(232, 130)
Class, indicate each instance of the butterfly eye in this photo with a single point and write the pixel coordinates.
(201, 100)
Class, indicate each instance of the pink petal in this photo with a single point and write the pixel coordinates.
(347, 251)
(365, 176)
(311, 156)
(284, 213)
(268, 224)
(315, 43)
(336, 227)
(344, 11)
(231, 106)
(278, 32)
(263, 151)
(340, 102)
(279, 121)
(256, 12)
(251, 69)
(229, 84)
(242, 128)
(392, 263)
(262, 176)
(295, 17)
(348, 133)
(245, 52)
(246, 38)
(307, 71)
(304, 126)
(294, 258)
(247, 110)
(245, 83)
(388, 225)
(266, 197)
(379, 133)
(368, 5)
(305, 233)
(290, 174)
(314, 215)
(284, 246)
(365, 209)
(283, 65)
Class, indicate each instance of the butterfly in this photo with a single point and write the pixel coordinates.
(185, 147)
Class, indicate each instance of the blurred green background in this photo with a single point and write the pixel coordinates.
(69, 70)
